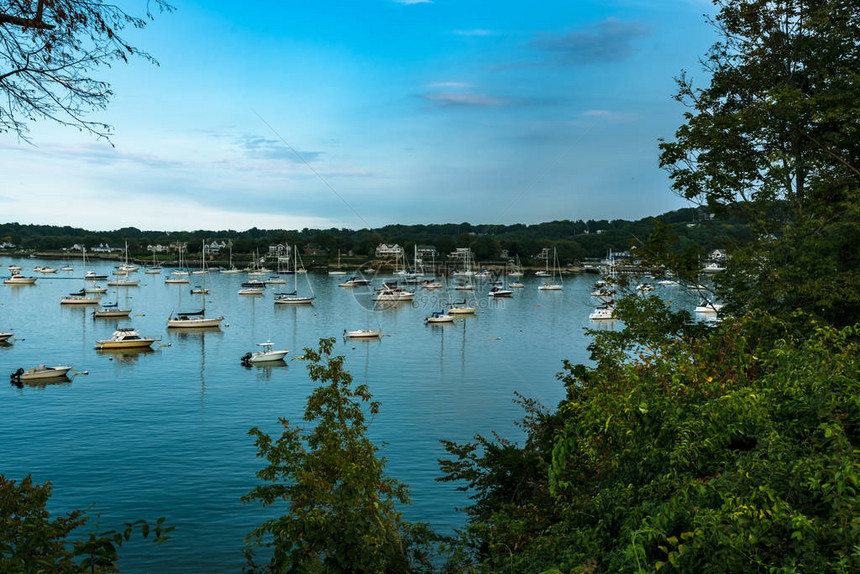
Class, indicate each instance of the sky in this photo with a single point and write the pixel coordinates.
(363, 113)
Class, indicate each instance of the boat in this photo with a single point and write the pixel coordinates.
(110, 310)
(362, 334)
(393, 293)
(644, 288)
(79, 298)
(293, 298)
(354, 282)
(13, 268)
(462, 309)
(432, 284)
(439, 317)
(232, 270)
(500, 292)
(18, 279)
(252, 291)
(709, 308)
(125, 339)
(518, 269)
(95, 289)
(199, 291)
(179, 276)
(195, 319)
(603, 313)
(265, 356)
(93, 276)
(254, 283)
(155, 268)
(552, 284)
(45, 269)
(5, 337)
(123, 283)
(713, 268)
(339, 270)
(40, 372)
(67, 268)
(516, 285)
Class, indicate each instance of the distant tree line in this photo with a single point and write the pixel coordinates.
(574, 240)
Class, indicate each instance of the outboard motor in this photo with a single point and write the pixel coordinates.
(246, 359)
(16, 378)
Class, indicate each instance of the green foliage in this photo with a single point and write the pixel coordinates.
(340, 507)
(31, 541)
(733, 450)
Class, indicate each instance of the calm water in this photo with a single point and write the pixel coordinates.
(164, 433)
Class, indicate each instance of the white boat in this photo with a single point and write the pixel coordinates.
(500, 292)
(294, 298)
(13, 268)
(252, 291)
(362, 334)
(45, 269)
(179, 276)
(602, 314)
(196, 319)
(40, 372)
(125, 339)
(644, 288)
(67, 268)
(713, 268)
(108, 311)
(95, 289)
(439, 317)
(462, 309)
(123, 283)
(232, 269)
(18, 279)
(394, 295)
(79, 298)
(177, 280)
(265, 356)
(668, 283)
(5, 337)
(93, 276)
(432, 284)
(339, 270)
(709, 308)
(355, 282)
(199, 291)
(517, 285)
(155, 268)
(552, 284)
(518, 269)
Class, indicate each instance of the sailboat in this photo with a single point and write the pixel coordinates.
(339, 270)
(195, 319)
(124, 270)
(552, 284)
(111, 310)
(80, 297)
(180, 275)
(518, 269)
(155, 268)
(232, 270)
(293, 298)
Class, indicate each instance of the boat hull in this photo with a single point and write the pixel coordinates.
(363, 334)
(295, 301)
(47, 373)
(194, 323)
(79, 301)
(108, 313)
(108, 344)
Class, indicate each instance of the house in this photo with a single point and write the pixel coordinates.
(718, 255)
(158, 248)
(214, 248)
(105, 248)
(385, 250)
(314, 249)
(7, 245)
(281, 250)
(426, 251)
(461, 254)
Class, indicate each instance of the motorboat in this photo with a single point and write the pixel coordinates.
(45, 269)
(500, 292)
(67, 268)
(39, 373)
(93, 276)
(394, 295)
(517, 285)
(5, 337)
(14, 268)
(252, 291)
(432, 284)
(550, 286)
(709, 308)
(439, 317)
(267, 355)
(199, 291)
(604, 313)
(362, 334)
(125, 339)
(254, 283)
(18, 279)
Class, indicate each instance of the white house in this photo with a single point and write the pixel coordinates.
(385, 250)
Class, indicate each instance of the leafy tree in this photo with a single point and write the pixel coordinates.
(341, 506)
(49, 50)
(31, 541)
(775, 138)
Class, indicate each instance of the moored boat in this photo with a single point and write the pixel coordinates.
(265, 356)
(125, 339)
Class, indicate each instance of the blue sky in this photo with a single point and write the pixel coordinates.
(369, 112)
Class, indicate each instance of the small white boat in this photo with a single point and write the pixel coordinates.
(265, 356)
(335, 272)
(550, 286)
(93, 276)
(67, 268)
(432, 284)
(40, 372)
(177, 280)
(668, 283)
(252, 291)
(602, 314)
(439, 317)
(517, 285)
(500, 292)
(14, 268)
(45, 269)
(276, 281)
(354, 282)
(18, 279)
(109, 311)
(5, 337)
(362, 334)
(125, 339)
(123, 283)
(462, 310)
(292, 299)
(709, 308)
(644, 288)
(79, 298)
